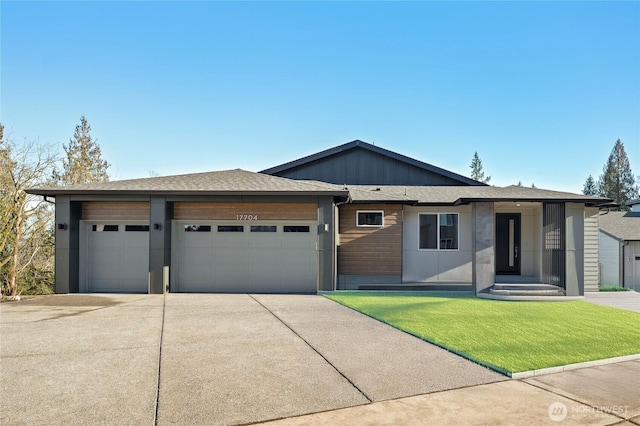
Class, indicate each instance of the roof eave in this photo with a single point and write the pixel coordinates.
(54, 192)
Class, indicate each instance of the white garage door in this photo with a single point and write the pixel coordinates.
(254, 257)
(116, 257)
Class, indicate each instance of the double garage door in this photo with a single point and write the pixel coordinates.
(254, 256)
(271, 250)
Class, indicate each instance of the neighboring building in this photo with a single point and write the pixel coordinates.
(620, 247)
(353, 217)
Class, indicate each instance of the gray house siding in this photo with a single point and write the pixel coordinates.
(360, 166)
(609, 258)
(632, 265)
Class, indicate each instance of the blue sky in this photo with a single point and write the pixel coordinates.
(541, 90)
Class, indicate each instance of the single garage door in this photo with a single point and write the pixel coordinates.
(247, 257)
(116, 257)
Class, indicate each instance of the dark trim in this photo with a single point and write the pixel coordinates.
(588, 202)
(61, 191)
(381, 151)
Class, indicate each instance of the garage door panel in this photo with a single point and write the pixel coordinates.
(266, 257)
(116, 259)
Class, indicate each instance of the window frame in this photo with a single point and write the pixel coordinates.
(358, 225)
(438, 225)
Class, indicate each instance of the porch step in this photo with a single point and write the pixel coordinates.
(417, 287)
(526, 289)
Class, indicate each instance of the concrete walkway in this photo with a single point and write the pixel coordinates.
(229, 359)
(629, 300)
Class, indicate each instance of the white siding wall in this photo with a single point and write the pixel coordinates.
(609, 258)
(433, 265)
(591, 240)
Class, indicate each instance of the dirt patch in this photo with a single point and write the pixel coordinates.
(67, 300)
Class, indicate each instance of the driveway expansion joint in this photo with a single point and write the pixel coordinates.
(157, 404)
(313, 348)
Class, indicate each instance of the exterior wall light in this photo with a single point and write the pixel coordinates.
(62, 226)
(156, 226)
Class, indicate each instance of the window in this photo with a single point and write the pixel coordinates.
(105, 228)
(230, 228)
(197, 228)
(369, 218)
(290, 228)
(136, 228)
(439, 231)
(259, 228)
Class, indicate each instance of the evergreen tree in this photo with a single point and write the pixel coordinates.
(83, 162)
(617, 181)
(590, 187)
(477, 173)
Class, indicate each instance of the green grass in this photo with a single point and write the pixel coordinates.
(509, 337)
(613, 288)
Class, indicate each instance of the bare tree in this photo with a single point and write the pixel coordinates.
(25, 219)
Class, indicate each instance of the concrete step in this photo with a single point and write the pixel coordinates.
(526, 290)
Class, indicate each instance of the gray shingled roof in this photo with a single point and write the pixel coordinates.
(223, 182)
(462, 194)
(622, 225)
(242, 182)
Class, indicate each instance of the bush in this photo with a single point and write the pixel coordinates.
(613, 288)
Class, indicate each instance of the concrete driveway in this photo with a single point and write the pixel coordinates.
(207, 359)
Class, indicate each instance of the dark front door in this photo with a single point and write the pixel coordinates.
(508, 244)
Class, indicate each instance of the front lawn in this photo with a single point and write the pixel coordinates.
(509, 337)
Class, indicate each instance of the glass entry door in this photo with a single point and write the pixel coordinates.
(508, 250)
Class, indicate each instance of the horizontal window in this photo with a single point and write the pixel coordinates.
(105, 228)
(136, 228)
(230, 228)
(197, 228)
(264, 228)
(291, 228)
(439, 231)
(369, 218)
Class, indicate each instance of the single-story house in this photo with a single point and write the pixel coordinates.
(619, 255)
(356, 216)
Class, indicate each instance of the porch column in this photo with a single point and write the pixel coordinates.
(575, 249)
(484, 268)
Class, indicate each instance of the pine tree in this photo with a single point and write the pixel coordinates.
(83, 162)
(590, 187)
(617, 181)
(477, 173)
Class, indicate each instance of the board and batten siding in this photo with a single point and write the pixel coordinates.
(370, 250)
(591, 243)
(115, 210)
(257, 211)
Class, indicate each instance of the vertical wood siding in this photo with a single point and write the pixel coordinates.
(370, 251)
(115, 210)
(591, 242)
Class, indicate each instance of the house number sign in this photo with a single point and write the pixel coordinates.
(246, 217)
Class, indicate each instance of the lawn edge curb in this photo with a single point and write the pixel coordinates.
(569, 367)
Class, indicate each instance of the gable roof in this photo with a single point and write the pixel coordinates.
(622, 225)
(227, 182)
(361, 145)
(456, 195)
